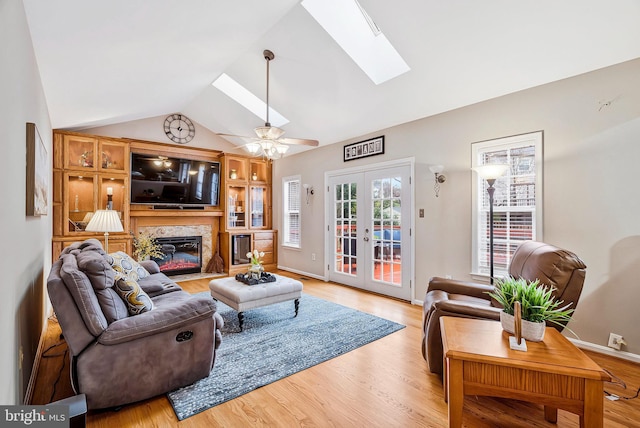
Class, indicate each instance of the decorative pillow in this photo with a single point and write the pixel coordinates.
(134, 297)
(122, 263)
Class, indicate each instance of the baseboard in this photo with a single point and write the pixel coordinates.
(623, 355)
(28, 395)
(299, 272)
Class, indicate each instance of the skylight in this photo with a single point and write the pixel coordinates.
(356, 33)
(248, 100)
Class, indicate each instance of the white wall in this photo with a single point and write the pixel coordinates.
(25, 253)
(152, 129)
(591, 192)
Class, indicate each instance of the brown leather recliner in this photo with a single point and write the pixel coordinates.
(532, 260)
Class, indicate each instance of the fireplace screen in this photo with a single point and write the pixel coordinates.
(181, 255)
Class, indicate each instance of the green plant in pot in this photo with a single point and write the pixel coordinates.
(145, 246)
(538, 306)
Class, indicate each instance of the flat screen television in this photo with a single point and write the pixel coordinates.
(170, 181)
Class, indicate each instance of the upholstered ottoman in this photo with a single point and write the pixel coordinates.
(242, 297)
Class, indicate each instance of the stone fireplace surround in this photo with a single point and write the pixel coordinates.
(168, 224)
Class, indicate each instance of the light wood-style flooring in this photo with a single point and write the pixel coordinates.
(383, 384)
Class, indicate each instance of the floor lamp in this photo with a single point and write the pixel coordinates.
(105, 221)
(491, 172)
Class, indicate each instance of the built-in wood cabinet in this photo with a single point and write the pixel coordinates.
(246, 223)
(91, 172)
(236, 244)
(246, 193)
(87, 170)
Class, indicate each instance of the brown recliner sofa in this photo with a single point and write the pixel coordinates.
(119, 358)
(532, 260)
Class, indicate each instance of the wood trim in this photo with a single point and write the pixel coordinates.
(163, 149)
(28, 395)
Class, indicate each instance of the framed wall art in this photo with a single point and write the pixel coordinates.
(37, 173)
(362, 149)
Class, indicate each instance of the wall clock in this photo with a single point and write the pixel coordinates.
(179, 128)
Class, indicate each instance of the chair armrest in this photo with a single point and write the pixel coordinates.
(453, 286)
(158, 320)
(467, 309)
(151, 266)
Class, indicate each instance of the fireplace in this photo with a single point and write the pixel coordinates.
(181, 255)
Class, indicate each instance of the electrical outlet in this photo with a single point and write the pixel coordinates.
(313, 256)
(615, 341)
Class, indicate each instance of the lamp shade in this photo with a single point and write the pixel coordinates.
(436, 169)
(87, 217)
(252, 147)
(491, 171)
(105, 221)
(282, 148)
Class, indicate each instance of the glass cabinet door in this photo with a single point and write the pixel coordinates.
(236, 207)
(258, 207)
(114, 156)
(81, 201)
(113, 196)
(80, 152)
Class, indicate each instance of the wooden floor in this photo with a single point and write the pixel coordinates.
(383, 384)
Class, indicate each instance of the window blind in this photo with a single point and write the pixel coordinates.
(517, 202)
(291, 210)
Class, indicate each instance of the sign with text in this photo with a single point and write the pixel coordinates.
(50, 416)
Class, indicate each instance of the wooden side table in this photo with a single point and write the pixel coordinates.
(554, 372)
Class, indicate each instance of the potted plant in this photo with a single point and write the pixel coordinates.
(145, 246)
(538, 306)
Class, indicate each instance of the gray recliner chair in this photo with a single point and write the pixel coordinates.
(555, 267)
(119, 358)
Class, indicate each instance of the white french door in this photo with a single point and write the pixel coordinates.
(369, 230)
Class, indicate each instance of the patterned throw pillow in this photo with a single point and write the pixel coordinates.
(125, 265)
(134, 297)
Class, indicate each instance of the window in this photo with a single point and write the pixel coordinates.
(291, 210)
(517, 204)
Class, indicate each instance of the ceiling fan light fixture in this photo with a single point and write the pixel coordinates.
(267, 145)
(269, 132)
(267, 141)
(282, 148)
(253, 148)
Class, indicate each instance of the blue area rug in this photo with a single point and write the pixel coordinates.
(274, 345)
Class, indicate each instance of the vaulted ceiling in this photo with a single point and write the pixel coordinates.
(105, 62)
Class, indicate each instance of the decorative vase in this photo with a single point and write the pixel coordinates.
(531, 331)
(255, 270)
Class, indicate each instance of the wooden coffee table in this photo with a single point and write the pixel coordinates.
(554, 372)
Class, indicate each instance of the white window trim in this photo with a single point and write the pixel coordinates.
(505, 143)
(286, 180)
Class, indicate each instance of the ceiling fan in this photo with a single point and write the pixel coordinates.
(159, 160)
(269, 141)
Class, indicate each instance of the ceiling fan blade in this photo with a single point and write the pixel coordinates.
(236, 136)
(299, 141)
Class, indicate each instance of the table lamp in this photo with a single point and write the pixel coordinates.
(105, 221)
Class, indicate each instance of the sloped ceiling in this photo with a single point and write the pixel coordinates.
(105, 62)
